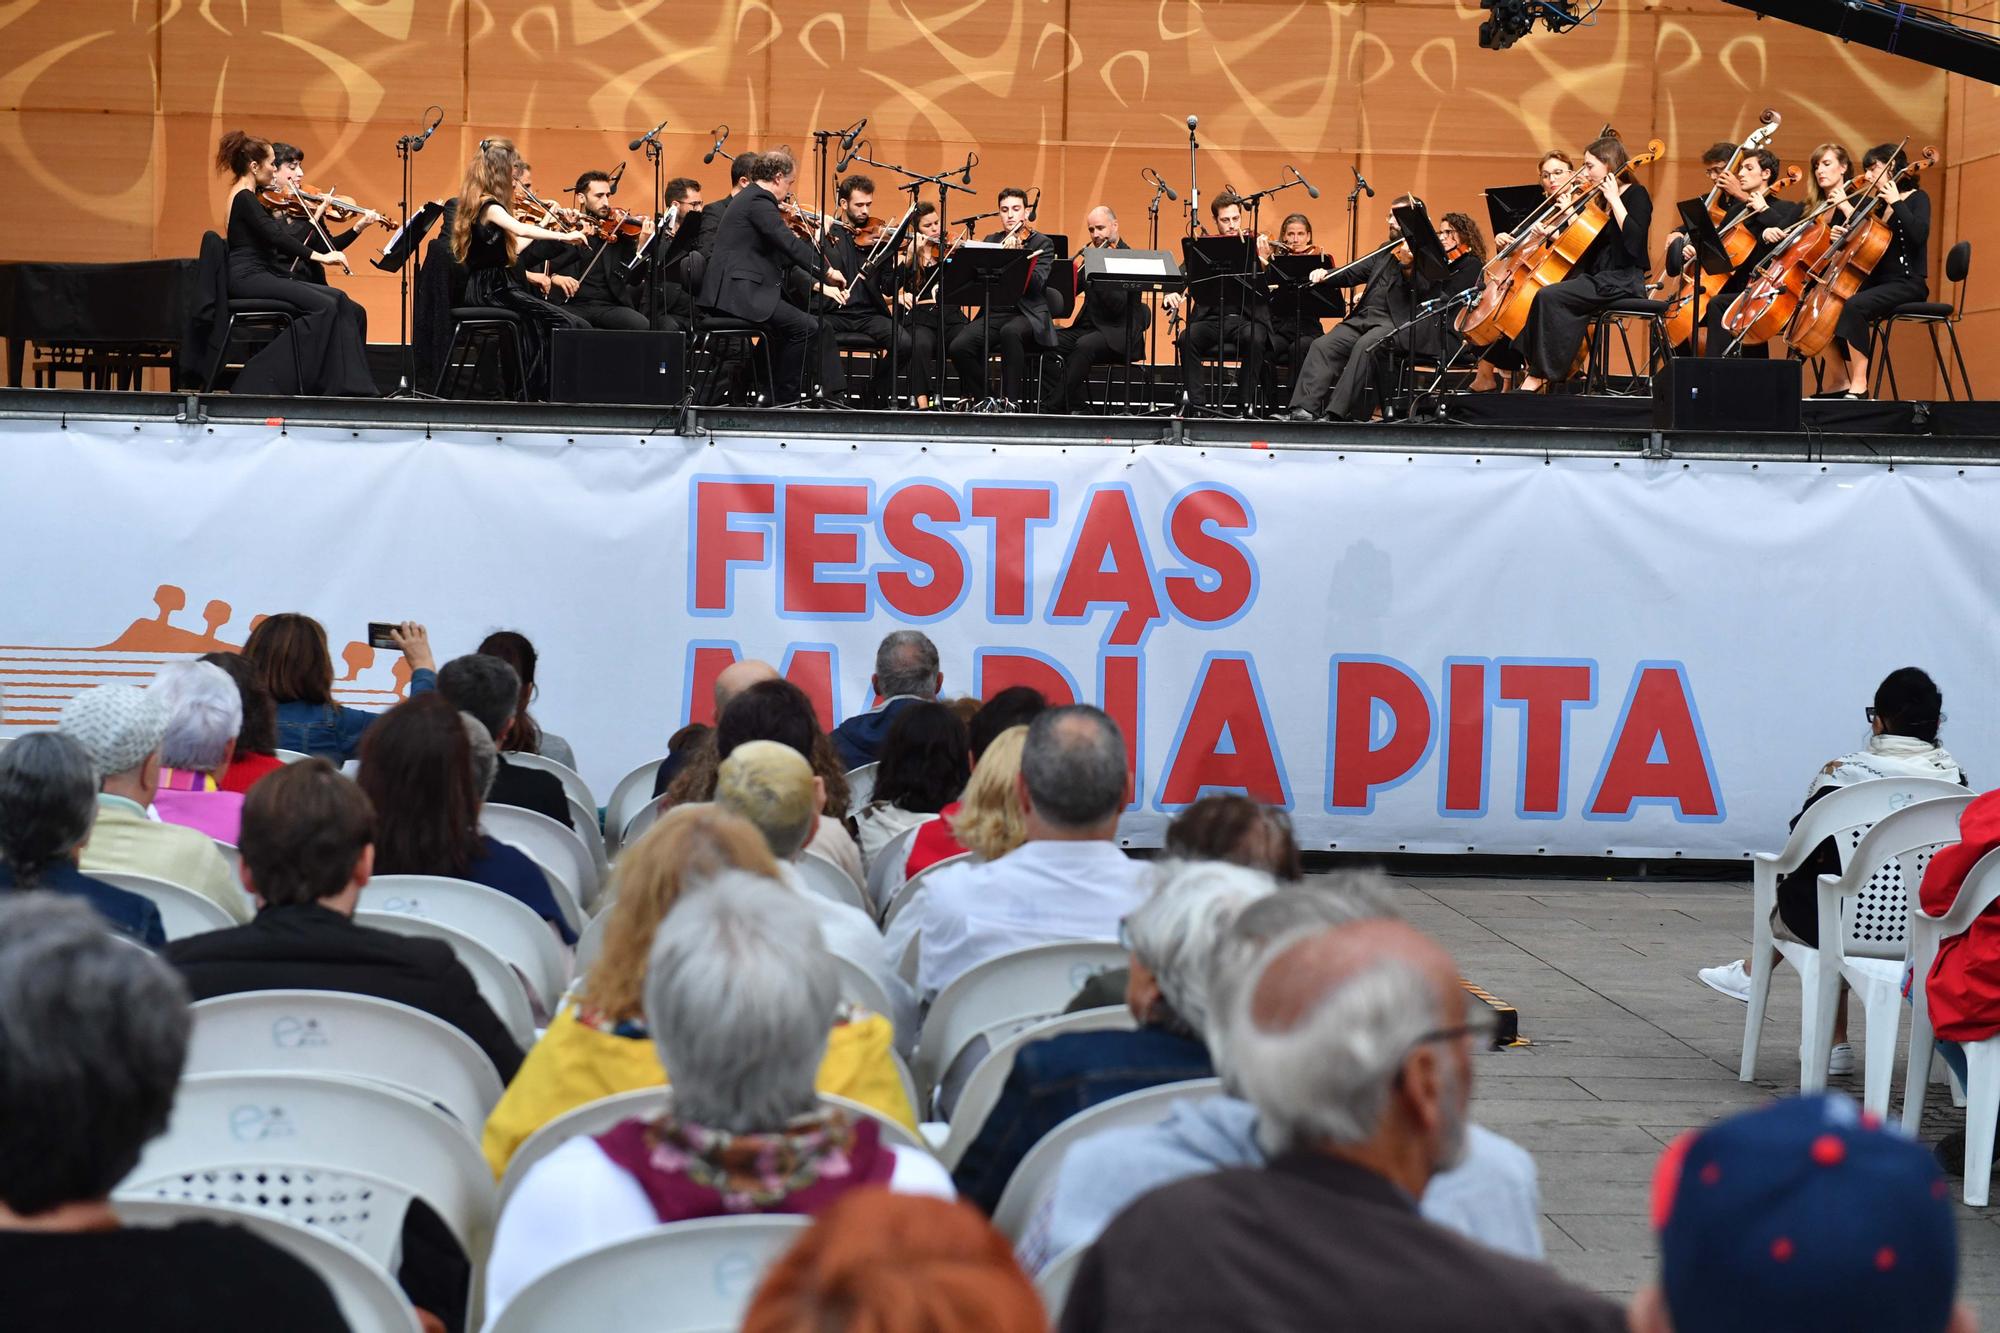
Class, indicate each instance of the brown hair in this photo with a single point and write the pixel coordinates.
(1238, 830)
(259, 733)
(1611, 151)
(686, 846)
(237, 152)
(290, 653)
(1468, 232)
(488, 176)
(1559, 155)
(770, 710)
(304, 827)
(1227, 199)
(416, 767)
(513, 648)
(1814, 194)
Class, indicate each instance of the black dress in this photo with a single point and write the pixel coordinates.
(1900, 276)
(332, 334)
(490, 280)
(1611, 270)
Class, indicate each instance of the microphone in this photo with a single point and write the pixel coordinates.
(971, 160)
(633, 147)
(1312, 191)
(848, 156)
(429, 130)
(1192, 122)
(721, 137)
(1152, 178)
(1035, 206)
(852, 132)
(617, 174)
(1361, 181)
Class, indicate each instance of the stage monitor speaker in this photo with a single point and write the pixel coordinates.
(1727, 393)
(617, 366)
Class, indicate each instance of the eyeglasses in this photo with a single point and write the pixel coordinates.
(1482, 1024)
(1869, 713)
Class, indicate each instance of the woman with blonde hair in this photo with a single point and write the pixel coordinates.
(599, 1044)
(485, 236)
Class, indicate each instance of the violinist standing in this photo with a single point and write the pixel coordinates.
(861, 311)
(1029, 320)
(1900, 276)
(1612, 269)
(1110, 329)
(332, 346)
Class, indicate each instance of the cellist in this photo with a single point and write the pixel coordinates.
(1899, 276)
(1612, 269)
(1500, 356)
(1766, 217)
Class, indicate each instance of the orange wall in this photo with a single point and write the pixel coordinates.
(113, 106)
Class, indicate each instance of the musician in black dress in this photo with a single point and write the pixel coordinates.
(1110, 329)
(930, 324)
(1029, 321)
(1765, 217)
(263, 259)
(484, 235)
(1611, 269)
(1900, 276)
(1501, 356)
(1228, 316)
(290, 163)
(1291, 336)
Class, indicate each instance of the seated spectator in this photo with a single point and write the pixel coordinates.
(731, 681)
(1172, 937)
(1068, 881)
(598, 1042)
(308, 850)
(526, 736)
(1013, 707)
(204, 714)
(925, 763)
(681, 747)
(1904, 721)
(773, 787)
(738, 992)
(1802, 1216)
(290, 653)
(48, 801)
(1492, 1196)
(120, 728)
(1964, 982)
(906, 672)
(256, 751)
(488, 689)
(79, 1112)
(897, 1263)
(1355, 1046)
(426, 776)
(987, 822)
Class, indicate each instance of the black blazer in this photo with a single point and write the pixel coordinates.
(1109, 307)
(753, 248)
(711, 223)
(1033, 304)
(307, 947)
(530, 789)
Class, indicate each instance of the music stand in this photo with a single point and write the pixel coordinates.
(396, 256)
(1295, 298)
(1426, 250)
(887, 248)
(1136, 271)
(973, 275)
(1508, 206)
(1710, 256)
(1226, 264)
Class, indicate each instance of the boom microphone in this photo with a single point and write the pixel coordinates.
(634, 146)
(852, 132)
(721, 137)
(1361, 181)
(971, 161)
(1035, 206)
(1152, 178)
(1312, 190)
(429, 130)
(617, 174)
(849, 156)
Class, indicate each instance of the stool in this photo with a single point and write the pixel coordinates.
(1596, 378)
(474, 329)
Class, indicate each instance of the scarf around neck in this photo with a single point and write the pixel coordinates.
(1889, 756)
(688, 1170)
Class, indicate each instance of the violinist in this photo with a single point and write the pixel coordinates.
(1767, 218)
(329, 331)
(862, 311)
(290, 174)
(1611, 269)
(1109, 328)
(929, 324)
(1227, 316)
(601, 289)
(1292, 338)
(1028, 322)
(1501, 356)
(1899, 276)
(683, 198)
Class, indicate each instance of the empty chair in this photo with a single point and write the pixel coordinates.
(860, 787)
(1982, 1091)
(633, 793)
(501, 922)
(1006, 992)
(183, 912)
(983, 1084)
(558, 849)
(502, 989)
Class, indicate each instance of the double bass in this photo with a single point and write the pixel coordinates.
(1736, 238)
(1847, 265)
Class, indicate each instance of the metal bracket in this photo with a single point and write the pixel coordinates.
(193, 410)
(1656, 446)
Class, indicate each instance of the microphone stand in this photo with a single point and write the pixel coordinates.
(1194, 188)
(915, 184)
(1153, 325)
(407, 146)
(656, 288)
(1353, 219)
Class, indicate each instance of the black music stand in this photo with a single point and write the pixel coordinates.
(1295, 298)
(886, 248)
(1137, 271)
(1508, 206)
(977, 273)
(396, 257)
(1226, 264)
(1710, 256)
(1427, 257)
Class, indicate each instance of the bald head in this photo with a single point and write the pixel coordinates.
(738, 677)
(773, 787)
(1300, 975)
(1102, 224)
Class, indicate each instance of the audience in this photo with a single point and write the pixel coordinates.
(291, 656)
(681, 747)
(986, 823)
(1172, 937)
(93, 1035)
(877, 1262)
(1803, 1216)
(120, 728)
(687, 743)
(426, 773)
(48, 801)
(255, 754)
(925, 762)
(204, 715)
(1963, 988)
(489, 690)
(1355, 1045)
(308, 851)
(526, 736)
(993, 794)
(906, 672)
(598, 1042)
(738, 992)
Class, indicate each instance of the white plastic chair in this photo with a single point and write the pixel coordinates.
(591, 943)
(293, 756)
(503, 923)
(345, 1155)
(1036, 1174)
(234, 857)
(860, 787)
(1864, 917)
(368, 1297)
(901, 902)
(633, 793)
(573, 784)
(1982, 1093)
(859, 985)
(499, 985)
(644, 818)
(684, 1277)
(1052, 1284)
(183, 912)
(885, 872)
(828, 880)
(983, 1085)
(355, 1036)
(585, 819)
(1005, 993)
(1844, 815)
(558, 849)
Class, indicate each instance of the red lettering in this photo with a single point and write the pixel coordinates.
(940, 591)
(811, 669)
(1659, 719)
(807, 548)
(717, 546)
(1108, 566)
(1003, 671)
(1189, 526)
(1543, 689)
(1465, 738)
(1357, 766)
(1121, 700)
(1011, 509)
(1226, 743)
(709, 661)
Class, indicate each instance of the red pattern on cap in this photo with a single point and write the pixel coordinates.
(1829, 1150)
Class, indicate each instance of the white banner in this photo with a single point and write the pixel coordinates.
(1425, 653)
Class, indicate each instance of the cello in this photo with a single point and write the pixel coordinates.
(1681, 305)
(1848, 263)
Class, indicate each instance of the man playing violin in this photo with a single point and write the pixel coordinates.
(1611, 269)
(1227, 315)
(593, 280)
(1029, 321)
(1110, 328)
(862, 311)
(1767, 218)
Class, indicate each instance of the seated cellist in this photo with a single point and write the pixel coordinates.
(1612, 269)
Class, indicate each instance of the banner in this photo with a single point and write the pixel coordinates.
(1436, 653)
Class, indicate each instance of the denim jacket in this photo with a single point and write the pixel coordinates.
(334, 730)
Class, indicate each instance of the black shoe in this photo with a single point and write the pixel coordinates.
(1950, 1153)
(1299, 414)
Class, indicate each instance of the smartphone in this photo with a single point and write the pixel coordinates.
(381, 634)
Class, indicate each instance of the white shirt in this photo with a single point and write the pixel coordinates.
(1042, 892)
(576, 1199)
(851, 933)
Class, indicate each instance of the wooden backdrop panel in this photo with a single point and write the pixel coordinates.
(87, 55)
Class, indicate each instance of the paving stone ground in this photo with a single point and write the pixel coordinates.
(1629, 1050)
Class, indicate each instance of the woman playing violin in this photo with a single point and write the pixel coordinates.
(1612, 269)
(287, 180)
(267, 262)
(927, 323)
(1899, 276)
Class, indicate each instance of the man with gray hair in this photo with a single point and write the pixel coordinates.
(1355, 1046)
(488, 689)
(906, 670)
(121, 728)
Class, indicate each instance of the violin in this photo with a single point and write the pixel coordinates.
(870, 235)
(1847, 264)
(617, 223)
(324, 206)
(553, 216)
(805, 223)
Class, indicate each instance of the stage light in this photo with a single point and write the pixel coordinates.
(1511, 20)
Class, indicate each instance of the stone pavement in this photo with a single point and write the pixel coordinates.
(1629, 1050)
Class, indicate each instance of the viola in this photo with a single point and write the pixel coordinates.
(1846, 266)
(309, 201)
(805, 223)
(617, 223)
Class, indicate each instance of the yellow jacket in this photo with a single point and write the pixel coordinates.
(575, 1063)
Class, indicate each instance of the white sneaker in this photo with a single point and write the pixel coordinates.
(1732, 979)
(1842, 1060)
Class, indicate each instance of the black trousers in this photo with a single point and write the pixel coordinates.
(1557, 320)
(1248, 340)
(791, 332)
(1502, 354)
(878, 330)
(1871, 302)
(1082, 350)
(1341, 365)
(332, 338)
(607, 315)
(928, 327)
(1289, 346)
(968, 352)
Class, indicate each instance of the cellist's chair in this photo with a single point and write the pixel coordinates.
(1933, 315)
(1619, 314)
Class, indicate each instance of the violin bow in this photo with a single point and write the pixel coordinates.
(313, 222)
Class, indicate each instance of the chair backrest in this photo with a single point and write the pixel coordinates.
(1008, 991)
(632, 794)
(346, 1155)
(501, 922)
(591, 943)
(642, 819)
(905, 895)
(1874, 887)
(560, 850)
(291, 756)
(1958, 262)
(355, 1036)
(1036, 1174)
(828, 880)
(684, 1277)
(860, 787)
(1847, 813)
(368, 1297)
(573, 784)
(183, 912)
(1052, 1284)
(1980, 891)
(568, 905)
(502, 989)
(585, 819)
(885, 872)
(859, 985)
(233, 857)
(982, 1087)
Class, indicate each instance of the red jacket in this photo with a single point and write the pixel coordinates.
(245, 770)
(933, 842)
(1964, 984)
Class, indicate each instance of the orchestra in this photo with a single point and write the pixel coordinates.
(1816, 253)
